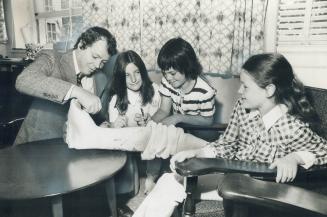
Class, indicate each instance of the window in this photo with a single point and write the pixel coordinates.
(48, 5)
(64, 4)
(302, 38)
(51, 33)
(302, 22)
(59, 25)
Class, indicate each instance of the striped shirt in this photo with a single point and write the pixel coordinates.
(249, 138)
(199, 101)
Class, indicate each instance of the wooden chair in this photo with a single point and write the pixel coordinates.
(226, 96)
(193, 168)
(276, 199)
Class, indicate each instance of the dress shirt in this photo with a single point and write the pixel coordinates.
(88, 83)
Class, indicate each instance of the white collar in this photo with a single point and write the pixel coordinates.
(75, 63)
(271, 117)
(133, 97)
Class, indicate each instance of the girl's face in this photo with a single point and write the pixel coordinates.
(175, 78)
(133, 77)
(254, 96)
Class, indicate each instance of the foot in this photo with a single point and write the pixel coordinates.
(124, 211)
(149, 184)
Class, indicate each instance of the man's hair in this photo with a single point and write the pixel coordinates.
(94, 34)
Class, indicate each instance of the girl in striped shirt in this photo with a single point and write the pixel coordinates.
(185, 95)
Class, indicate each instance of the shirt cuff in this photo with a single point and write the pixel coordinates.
(207, 152)
(69, 93)
(307, 157)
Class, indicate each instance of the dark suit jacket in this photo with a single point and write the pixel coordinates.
(49, 78)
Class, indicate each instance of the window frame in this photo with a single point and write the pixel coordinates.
(51, 34)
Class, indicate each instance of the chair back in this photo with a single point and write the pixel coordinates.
(227, 94)
(318, 99)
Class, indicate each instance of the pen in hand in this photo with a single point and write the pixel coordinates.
(143, 117)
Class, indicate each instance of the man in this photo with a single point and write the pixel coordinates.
(52, 78)
(55, 78)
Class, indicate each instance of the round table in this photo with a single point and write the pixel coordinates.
(49, 168)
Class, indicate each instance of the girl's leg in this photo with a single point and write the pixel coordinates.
(165, 196)
(190, 142)
(155, 141)
(82, 133)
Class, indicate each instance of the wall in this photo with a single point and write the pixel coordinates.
(309, 62)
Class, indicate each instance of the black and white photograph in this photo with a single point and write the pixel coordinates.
(163, 108)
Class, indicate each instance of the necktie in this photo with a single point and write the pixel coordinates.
(79, 79)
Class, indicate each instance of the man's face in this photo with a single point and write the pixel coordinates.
(93, 57)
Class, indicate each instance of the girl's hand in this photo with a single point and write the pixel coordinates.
(286, 167)
(120, 122)
(180, 157)
(142, 120)
(105, 124)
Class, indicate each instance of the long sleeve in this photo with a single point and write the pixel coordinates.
(304, 139)
(226, 146)
(42, 79)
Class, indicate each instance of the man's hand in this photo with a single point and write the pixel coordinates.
(90, 102)
(181, 156)
(286, 167)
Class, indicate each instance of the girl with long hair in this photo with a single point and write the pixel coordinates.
(134, 97)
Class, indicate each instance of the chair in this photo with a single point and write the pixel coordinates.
(226, 96)
(13, 105)
(244, 191)
(310, 179)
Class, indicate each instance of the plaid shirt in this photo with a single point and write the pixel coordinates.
(246, 138)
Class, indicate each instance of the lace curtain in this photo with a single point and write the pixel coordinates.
(3, 32)
(224, 33)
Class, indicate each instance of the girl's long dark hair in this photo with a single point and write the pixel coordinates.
(118, 85)
(274, 69)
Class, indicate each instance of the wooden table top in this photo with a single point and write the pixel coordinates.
(48, 168)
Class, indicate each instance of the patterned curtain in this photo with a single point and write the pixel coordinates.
(224, 33)
(3, 32)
